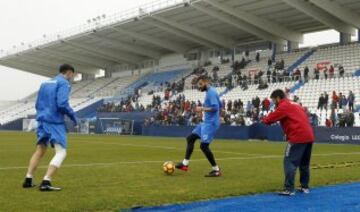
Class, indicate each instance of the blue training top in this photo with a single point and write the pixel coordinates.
(52, 103)
(212, 100)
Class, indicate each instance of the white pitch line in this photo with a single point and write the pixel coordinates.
(195, 160)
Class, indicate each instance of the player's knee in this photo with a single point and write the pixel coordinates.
(204, 147)
(60, 155)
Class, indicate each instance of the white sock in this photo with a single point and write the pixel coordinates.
(216, 168)
(29, 176)
(186, 162)
(47, 178)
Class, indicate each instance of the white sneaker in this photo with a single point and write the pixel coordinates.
(304, 190)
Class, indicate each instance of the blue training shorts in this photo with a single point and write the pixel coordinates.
(51, 133)
(206, 131)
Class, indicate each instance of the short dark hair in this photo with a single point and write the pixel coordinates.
(66, 67)
(203, 77)
(277, 93)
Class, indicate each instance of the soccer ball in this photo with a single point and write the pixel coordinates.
(169, 167)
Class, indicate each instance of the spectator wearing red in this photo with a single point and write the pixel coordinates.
(266, 104)
(331, 71)
(335, 99)
(300, 137)
(329, 123)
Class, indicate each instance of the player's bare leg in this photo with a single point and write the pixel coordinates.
(60, 155)
(33, 164)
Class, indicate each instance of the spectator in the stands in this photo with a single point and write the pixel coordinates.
(296, 99)
(167, 94)
(317, 73)
(346, 119)
(229, 105)
(269, 62)
(331, 71)
(328, 123)
(343, 101)
(335, 100)
(257, 57)
(274, 76)
(321, 102)
(297, 74)
(268, 75)
(326, 96)
(333, 117)
(306, 74)
(349, 118)
(351, 100)
(262, 85)
(256, 102)
(249, 107)
(341, 71)
(266, 104)
(215, 73)
(325, 72)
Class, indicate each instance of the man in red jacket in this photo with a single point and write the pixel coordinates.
(300, 137)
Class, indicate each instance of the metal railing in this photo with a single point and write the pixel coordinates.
(95, 23)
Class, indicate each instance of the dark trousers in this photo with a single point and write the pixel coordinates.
(351, 106)
(297, 156)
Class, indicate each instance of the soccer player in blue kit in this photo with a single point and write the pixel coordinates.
(207, 129)
(52, 105)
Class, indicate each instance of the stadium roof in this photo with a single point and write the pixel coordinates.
(178, 26)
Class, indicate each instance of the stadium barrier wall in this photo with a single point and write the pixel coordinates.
(256, 131)
(344, 135)
(349, 135)
(137, 117)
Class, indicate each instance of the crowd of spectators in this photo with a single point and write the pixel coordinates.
(337, 101)
(182, 112)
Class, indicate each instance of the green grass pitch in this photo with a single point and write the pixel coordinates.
(108, 173)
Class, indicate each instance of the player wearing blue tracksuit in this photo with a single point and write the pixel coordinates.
(206, 130)
(52, 105)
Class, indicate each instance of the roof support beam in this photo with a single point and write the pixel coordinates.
(261, 23)
(98, 52)
(28, 67)
(165, 44)
(321, 15)
(19, 59)
(41, 59)
(112, 52)
(240, 24)
(180, 33)
(135, 49)
(204, 34)
(70, 56)
(340, 12)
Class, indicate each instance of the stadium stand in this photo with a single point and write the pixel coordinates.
(152, 82)
(347, 56)
(241, 64)
(84, 93)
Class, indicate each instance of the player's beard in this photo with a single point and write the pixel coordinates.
(202, 89)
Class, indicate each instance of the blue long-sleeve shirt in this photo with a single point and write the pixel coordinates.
(212, 101)
(52, 103)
